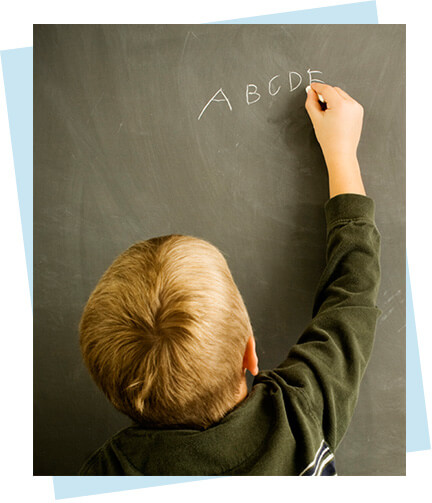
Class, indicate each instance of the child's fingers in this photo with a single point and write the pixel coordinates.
(329, 93)
(343, 93)
(312, 103)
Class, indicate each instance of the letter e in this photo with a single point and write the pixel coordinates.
(310, 72)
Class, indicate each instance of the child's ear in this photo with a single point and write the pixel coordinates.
(250, 359)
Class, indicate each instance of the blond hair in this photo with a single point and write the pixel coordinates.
(164, 332)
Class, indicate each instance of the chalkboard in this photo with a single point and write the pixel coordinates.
(148, 130)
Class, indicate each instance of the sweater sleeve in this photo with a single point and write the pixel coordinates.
(327, 363)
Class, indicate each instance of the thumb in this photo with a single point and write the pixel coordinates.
(312, 104)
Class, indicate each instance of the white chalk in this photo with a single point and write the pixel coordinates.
(319, 95)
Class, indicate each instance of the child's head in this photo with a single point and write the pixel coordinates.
(165, 331)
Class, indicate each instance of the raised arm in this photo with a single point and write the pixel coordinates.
(327, 364)
(338, 130)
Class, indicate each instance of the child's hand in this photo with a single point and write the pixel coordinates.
(337, 128)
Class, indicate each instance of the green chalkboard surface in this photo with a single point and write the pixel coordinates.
(148, 130)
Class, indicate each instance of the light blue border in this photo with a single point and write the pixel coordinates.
(70, 487)
(17, 67)
(354, 13)
(417, 433)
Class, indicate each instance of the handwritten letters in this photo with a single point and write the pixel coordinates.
(253, 95)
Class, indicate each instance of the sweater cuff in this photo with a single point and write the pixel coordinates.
(349, 207)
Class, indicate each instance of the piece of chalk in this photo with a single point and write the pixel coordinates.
(319, 95)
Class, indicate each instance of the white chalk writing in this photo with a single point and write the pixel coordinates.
(270, 84)
(310, 72)
(291, 82)
(213, 98)
(249, 93)
(253, 95)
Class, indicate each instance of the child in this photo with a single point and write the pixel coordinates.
(166, 336)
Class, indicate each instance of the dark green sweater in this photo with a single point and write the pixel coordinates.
(296, 415)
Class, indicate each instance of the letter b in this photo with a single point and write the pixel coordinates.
(254, 92)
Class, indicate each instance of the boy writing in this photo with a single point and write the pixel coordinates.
(166, 336)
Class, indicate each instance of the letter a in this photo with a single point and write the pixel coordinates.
(217, 100)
